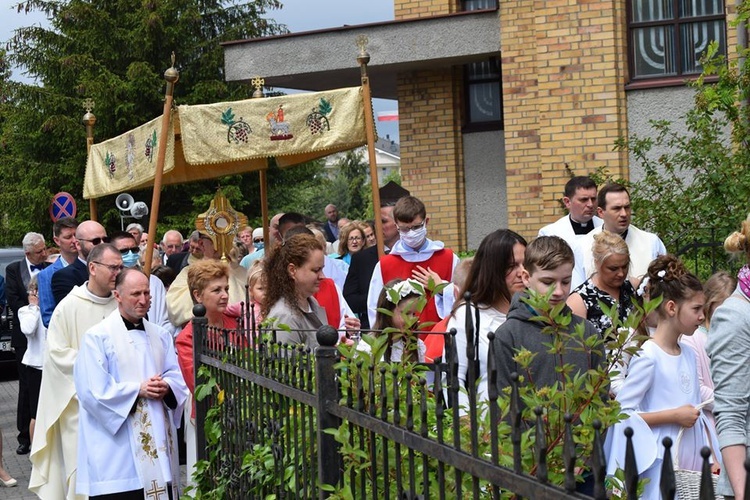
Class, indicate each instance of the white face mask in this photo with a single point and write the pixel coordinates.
(414, 238)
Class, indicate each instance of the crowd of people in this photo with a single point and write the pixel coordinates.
(105, 361)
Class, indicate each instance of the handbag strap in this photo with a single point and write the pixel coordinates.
(675, 455)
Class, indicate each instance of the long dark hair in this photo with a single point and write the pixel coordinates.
(486, 278)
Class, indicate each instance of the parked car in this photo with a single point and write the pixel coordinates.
(7, 356)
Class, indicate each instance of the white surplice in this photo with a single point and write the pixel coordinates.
(111, 365)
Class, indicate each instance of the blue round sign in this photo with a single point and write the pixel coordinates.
(63, 205)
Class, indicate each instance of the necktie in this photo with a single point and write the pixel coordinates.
(34, 267)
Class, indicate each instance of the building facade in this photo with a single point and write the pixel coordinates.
(499, 102)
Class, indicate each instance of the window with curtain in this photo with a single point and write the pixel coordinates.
(483, 93)
(479, 4)
(668, 37)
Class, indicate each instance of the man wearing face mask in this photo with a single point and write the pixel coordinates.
(129, 251)
(414, 256)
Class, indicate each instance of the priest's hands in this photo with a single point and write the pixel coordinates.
(153, 388)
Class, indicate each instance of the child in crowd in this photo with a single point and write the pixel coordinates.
(661, 394)
(548, 264)
(403, 315)
(717, 288)
(256, 289)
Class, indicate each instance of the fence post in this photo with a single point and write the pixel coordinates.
(329, 459)
(200, 325)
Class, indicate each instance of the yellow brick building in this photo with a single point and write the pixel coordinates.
(496, 98)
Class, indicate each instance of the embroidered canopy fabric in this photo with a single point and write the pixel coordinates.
(214, 140)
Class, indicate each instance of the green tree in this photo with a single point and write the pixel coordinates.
(351, 186)
(114, 52)
(698, 189)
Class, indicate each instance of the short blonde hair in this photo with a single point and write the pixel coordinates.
(607, 244)
(203, 272)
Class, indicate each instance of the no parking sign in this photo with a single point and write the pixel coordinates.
(63, 205)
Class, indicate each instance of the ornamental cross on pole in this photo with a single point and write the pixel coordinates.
(155, 492)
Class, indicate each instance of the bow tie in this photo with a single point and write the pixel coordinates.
(34, 267)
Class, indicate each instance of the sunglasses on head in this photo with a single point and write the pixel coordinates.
(96, 241)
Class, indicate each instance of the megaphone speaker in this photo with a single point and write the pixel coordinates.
(140, 209)
(124, 202)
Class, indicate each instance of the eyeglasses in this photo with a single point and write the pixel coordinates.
(258, 240)
(173, 247)
(112, 268)
(355, 238)
(415, 227)
(96, 241)
(123, 251)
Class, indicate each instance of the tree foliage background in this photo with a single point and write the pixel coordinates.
(699, 189)
(115, 52)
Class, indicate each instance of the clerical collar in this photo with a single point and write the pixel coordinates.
(132, 326)
(580, 227)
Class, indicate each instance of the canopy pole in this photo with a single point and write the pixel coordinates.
(89, 120)
(171, 75)
(363, 58)
(264, 206)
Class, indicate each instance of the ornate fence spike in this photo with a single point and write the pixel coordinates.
(515, 422)
(541, 446)
(371, 388)
(569, 455)
(667, 482)
(707, 484)
(360, 387)
(409, 403)
(631, 468)
(599, 463)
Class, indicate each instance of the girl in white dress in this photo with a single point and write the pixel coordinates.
(661, 392)
(396, 325)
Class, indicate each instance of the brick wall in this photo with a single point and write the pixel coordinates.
(410, 9)
(430, 133)
(564, 68)
(431, 159)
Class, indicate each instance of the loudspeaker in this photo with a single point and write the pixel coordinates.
(124, 202)
(140, 209)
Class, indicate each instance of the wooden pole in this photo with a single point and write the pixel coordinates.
(363, 58)
(171, 76)
(89, 120)
(264, 206)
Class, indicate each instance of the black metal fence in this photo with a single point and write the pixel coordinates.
(291, 423)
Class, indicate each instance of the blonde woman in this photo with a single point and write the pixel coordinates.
(609, 284)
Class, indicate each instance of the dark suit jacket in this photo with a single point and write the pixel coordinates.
(178, 261)
(16, 287)
(357, 282)
(329, 234)
(66, 278)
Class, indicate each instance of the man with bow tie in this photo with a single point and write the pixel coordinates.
(18, 275)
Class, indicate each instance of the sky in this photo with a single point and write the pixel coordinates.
(297, 15)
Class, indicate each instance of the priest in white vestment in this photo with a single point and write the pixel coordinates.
(55, 442)
(131, 394)
(180, 301)
(614, 209)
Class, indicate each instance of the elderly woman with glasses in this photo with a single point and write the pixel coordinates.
(351, 241)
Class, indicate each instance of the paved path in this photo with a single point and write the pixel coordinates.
(18, 466)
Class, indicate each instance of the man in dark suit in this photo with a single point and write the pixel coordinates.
(363, 264)
(331, 227)
(89, 234)
(180, 260)
(18, 274)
